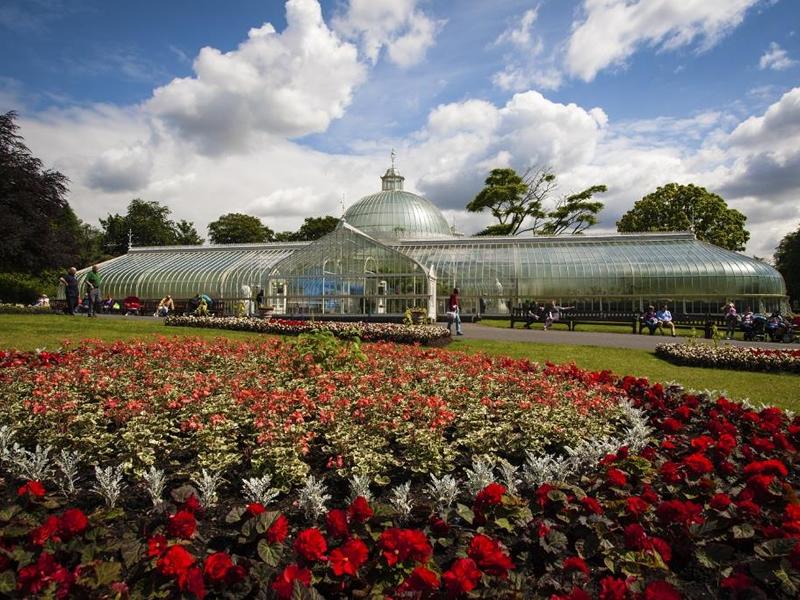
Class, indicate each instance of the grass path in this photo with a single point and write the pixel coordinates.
(27, 332)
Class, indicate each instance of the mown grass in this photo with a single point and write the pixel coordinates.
(770, 388)
(27, 332)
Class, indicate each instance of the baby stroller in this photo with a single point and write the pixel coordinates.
(131, 305)
(758, 331)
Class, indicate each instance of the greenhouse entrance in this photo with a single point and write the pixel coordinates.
(348, 273)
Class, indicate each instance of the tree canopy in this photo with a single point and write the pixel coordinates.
(787, 261)
(38, 228)
(525, 204)
(312, 228)
(237, 228)
(676, 207)
(148, 224)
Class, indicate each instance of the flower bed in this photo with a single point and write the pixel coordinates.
(368, 332)
(705, 508)
(22, 309)
(731, 357)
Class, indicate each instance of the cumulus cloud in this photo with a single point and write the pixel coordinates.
(287, 84)
(775, 58)
(778, 129)
(121, 169)
(610, 31)
(520, 34)
(396, 25)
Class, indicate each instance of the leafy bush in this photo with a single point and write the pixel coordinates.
(368, 332)
(25, 289)
(21, 309)
(731, 357)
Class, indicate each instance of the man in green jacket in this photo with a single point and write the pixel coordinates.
(93, 281)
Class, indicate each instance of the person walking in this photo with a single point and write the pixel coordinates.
(93, 281)
(70, 283)
(731, 320)
(454, 309)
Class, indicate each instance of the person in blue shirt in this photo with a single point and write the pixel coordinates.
(665, 318)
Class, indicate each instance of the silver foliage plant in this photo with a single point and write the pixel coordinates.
(67, 463)
(31, 465)
(443, 491)
(6, 437)
(109, 483)
(359, 486)
(154, 482)
(401, 500)
(207, 486)
(312, 497)
(509, 476)
(481, 475)
(257, 489)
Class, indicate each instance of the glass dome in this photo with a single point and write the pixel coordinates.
(395, 213)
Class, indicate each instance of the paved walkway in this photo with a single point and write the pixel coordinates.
(584, 338)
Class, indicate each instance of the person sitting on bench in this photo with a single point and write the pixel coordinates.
(533, 312)
(650, 320)
(553, 313)
(665, 318)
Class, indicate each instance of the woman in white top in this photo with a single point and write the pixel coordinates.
(553, 313)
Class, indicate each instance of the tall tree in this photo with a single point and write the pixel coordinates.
(38, 229)
(314, 228)
(236, 228)
(147, 224)
(676, 207)
(186, 234)
(787, 261)
(525, 204)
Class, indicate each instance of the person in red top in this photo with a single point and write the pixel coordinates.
(454, 310)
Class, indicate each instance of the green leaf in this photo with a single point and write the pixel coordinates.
(267, 553)
(743, 531)
(465, 513)
(777, 547)
(504, 523)
(235, 514)
(265, 520)
(8, 512)
(8, 582)
(107, 572)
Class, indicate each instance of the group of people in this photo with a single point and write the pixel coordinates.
(93, 299)
(658, 319)
(548, 313)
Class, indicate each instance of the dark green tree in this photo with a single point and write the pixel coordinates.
(38, 229)
(676, 207)
(236, 228)
(787, 261)
(148, 224)
(520, 204)
(314, 228)
(186, 234)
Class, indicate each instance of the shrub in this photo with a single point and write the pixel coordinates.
(731, 357)
(25, 289)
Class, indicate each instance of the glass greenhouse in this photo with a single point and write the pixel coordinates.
(393, 250)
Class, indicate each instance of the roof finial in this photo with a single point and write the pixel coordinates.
(393, 155)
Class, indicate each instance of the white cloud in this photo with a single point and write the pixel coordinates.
(287, 84)
(521, 33)
(776, 59)
(121, 169)
(610, 31)
(397, 25)
(777, 130)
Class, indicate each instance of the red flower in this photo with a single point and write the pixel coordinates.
(399, 545)
(33, 488)
(726, 443)
(439, 526)
(72, 523)
(359, 510)
(794, 557)
(192, 582)
(217, 566)
(38, 576)
(278, 531)
(421, 579)
(192, 504)
(575, 563)
(491, 495)
(542, 494)
(489, 557)
(671, 425)
(649, 494)
(284, 582)
(676, 511)
(766, 467)
(255, 509)
(698, 464)
(636, 506)
(336, 524)
(612, 589)
(720, 501)
(660, 590)
(462, 577)
(702, 443)
(182, 524)
(592, 505)
(347, 559)
(635, 536)
(792, 512)
(736, 582)
(616, 478)
(175, 561)
(748, 507)
(45, 531)
(156, 546)
(662, 547)
(671, 472)
(311, 545)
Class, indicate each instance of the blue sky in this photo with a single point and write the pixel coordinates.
(285, 121)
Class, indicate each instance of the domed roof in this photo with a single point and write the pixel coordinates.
(395, 213)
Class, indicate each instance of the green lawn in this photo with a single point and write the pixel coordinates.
(26, 332)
